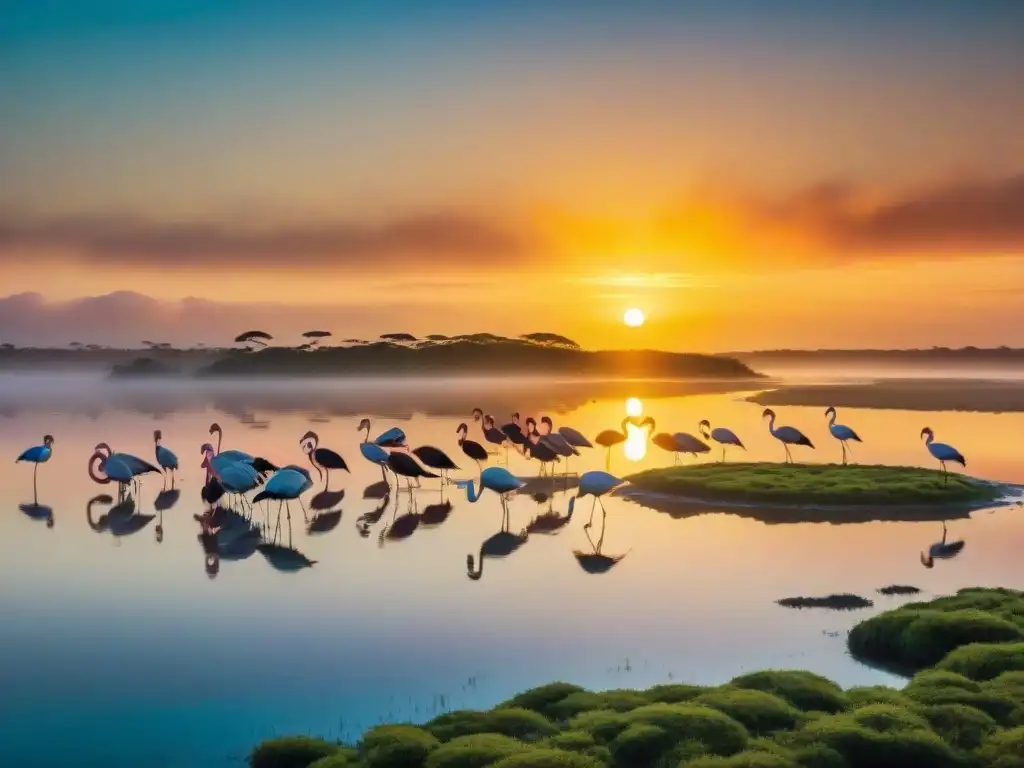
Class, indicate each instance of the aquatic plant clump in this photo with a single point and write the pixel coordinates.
(844, 602)
(967, 711)
(811, 484)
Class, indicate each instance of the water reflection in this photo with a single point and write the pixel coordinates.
(37, 511)
(942, 549)
(499, 545)
(595, 561)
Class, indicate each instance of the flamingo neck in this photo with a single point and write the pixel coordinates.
(572, 506)
(472, 494)
(97, 458)
(771, 423)
(831, 418)
(476, 573)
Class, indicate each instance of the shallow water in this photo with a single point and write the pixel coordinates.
(122, 650)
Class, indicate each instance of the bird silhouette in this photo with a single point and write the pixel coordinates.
(724, 437)
(786, 435)
(840, 432)
(942, 452)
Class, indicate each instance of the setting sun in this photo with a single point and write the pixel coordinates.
(634, 318)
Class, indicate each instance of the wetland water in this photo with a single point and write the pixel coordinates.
(122, 650)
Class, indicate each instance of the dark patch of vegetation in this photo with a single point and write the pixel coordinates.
(810, 484)
(899, 589)
(143, 367)
(968, 712)
(843, 602)
(962, 633)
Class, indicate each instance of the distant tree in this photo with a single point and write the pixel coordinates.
(75, 344)
(253, 337)
(436, 337)
(314, 338)
(550, 340)
(402, 337)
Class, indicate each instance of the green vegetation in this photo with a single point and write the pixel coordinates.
(810, 484)
(843, 602)
(963, 709)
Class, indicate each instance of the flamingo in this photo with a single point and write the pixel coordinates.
(223, 458)
(496, 479)
(435, 458)
(114, 470)
(940, 550)
(594, 483)
(680, 442)
(514, 434)
(553, 440)
(942, 452)
(134, 464)
(287, 484)
(666, 442)
(539, 450)
(405, 465)
(471, 448)
(392, 438)
(840, 432)
(164, 456)
(611, 437)
(570, 435)
(236, 477)
(786, 435)
(372, 452)
(321, 458)
(38, 454)
(720, 435)
(492, 434)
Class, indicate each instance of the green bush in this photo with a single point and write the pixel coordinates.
(939, 678)
(575, 741)
(588, 701)
(999, 707)
(396, 746)
(1004, 749)
(878, 694)
(959, 725)
(746, 759)
(759, 711)
(291, 752)
(541, 699)
(603, 724)
(804, 690)
(862, 746)
(640, 744)
(674, 693)
(518, 723)
(719, 733)
(888, 718)
(476, 751)
(344, 758)
(985, 661)
(548, 758)
(818, 756)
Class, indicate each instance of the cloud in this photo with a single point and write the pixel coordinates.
(116, 240)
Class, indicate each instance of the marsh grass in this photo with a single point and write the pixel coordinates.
(843, 602)
(966, 712)
(809, 484)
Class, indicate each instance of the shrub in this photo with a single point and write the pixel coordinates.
(985, 661)
(861, 746)
(878, 694)
(818, 756)
(938, 678)
(547, 758)
(1001, 708)
(746, 759)
(640, 744)
(576, 741)
(476, 751)
(290, 752)
(959, 725)
(804, 690)
(603, 724)
(888, 718)
(1004, 749)
(396, 746)
(588, 701)
(759, 711)
(674, 693)
(541, 698)
(515, 722)
(719, 733)
(343, 758)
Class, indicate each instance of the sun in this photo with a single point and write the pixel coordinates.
(634, 318)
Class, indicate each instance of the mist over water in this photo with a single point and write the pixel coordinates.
(121, 649)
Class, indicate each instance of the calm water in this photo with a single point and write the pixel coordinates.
(122, 650)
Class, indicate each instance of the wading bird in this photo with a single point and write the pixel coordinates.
(392, 438)
(165, 458)
(720, 435)
(609, 437)
(471, 448)
(405, 465)
(942, 452)
(236, 478)
(840, 432)
(134, 464)
(321, 458)
(38, 454)
(786, 435)
(514, 434)
(552, 440)
(940, 550)
(596, 484)
(113, 469)
(435, 458)
(496, 479)
(372, 452)
(541, 451)
(570, 435)
(492, 434)
(287, 484)
(223, 458)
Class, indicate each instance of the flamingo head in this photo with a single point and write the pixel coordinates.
(531, 425)
(311, 437)
(489, 422)
(47, 440)
(101, 447)
(477, 414)
(157, 435)
(546, 421)
(830, 411)
(704, 427)
(927, 561)
(205, 449)
(308, 446)
(364, 424)
(463, 430)
(215, 429)
(515, 417)
(927, 433)
(768, 414)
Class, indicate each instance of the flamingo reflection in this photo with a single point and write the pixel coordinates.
(942, 550)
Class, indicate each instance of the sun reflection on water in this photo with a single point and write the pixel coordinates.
(635, 446)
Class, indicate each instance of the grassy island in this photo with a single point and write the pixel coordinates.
(966, 710)
(815, 484)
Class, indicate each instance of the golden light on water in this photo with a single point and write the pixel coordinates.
(635, 446)
(634, 407)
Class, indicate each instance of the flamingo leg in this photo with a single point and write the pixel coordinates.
(945, 473)
(35, 472)
(789, 456)
(592, 508)
(327, 480)
(608, 459)
(843, 443)
(723, 454)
